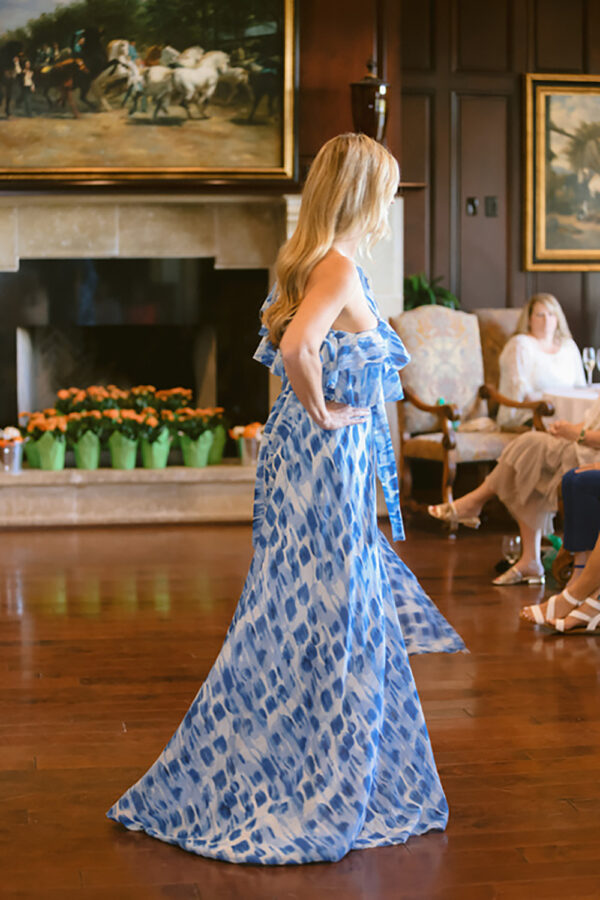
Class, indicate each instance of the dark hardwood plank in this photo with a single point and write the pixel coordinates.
(105, 637)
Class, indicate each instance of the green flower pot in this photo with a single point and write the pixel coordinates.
(195, 452)
(156, 453)
(123, 451)
(87, 451)
(31, 454)
(51, 452)
(215, 454)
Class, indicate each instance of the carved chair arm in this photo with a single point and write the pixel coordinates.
(539, 408)
(445, 413)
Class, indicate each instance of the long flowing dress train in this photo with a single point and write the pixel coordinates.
(307, 738)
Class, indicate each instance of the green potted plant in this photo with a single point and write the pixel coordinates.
(218, 426)
(124, 428)
(84, 434)
(193, 426)
(46, 431)
(155, 440)
(419, 291)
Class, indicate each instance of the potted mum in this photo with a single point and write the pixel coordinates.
(173, 398)
(143, 396)
(193, 426)
(123, 426)
(84, 434)
(46, 431)
(248, 439)
(219, 429)
(11, 450)
(155, 439)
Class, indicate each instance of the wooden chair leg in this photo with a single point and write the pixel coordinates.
(562, 567)
(448, 476)
(406, 479)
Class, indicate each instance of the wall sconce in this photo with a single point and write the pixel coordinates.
(370, 104)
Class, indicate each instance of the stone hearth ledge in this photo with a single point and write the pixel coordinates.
(38, 498)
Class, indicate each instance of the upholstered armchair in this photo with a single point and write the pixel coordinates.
(444, 393)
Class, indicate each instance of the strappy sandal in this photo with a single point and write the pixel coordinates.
(590, 624)
(446, 512)
(536, 611)
(515, 576)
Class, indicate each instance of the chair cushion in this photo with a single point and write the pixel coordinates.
(495, 328)
(470, 447)
(445, 362)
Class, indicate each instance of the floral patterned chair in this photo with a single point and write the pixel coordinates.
(445, 393)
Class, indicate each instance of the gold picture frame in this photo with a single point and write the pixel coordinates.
(562, 172)
(87, 132)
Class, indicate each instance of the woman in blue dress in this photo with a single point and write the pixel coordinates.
(307, 738)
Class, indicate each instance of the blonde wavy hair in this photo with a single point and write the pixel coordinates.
(349, 188)
(562, 333)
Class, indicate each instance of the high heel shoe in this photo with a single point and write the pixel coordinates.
(446, 512)
(515, 576)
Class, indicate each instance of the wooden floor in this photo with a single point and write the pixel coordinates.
(105, 636)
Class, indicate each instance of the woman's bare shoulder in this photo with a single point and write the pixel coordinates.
(336, 270)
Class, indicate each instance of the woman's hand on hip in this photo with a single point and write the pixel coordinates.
(340, 415)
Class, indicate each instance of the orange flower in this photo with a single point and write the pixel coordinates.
(152, 421)
(253, 430)
(112, 413)
(64, 394)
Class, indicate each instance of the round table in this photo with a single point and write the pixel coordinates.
(571, 404)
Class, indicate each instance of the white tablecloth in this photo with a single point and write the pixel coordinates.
(572, 403)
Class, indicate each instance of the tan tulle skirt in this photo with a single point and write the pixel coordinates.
(528, 475)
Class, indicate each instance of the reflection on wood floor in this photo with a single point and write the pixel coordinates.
(106, 635)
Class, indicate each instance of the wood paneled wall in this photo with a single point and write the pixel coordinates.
(336, 40)
(462, 63)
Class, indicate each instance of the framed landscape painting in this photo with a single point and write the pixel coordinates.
(146, 91)
(562, 202)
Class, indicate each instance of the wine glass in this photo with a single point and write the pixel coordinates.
(589, 362)
(511, 548)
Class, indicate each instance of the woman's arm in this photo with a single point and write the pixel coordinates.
(329, 287)
(515, 379)
(515, 368)
(576, 432)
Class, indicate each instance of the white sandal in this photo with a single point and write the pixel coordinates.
(515, 576)
(591, 624)
(538, 616)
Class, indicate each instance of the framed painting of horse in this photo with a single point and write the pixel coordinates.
(109, 92)
(562, 158)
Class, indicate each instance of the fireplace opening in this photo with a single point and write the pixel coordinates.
(167, 322)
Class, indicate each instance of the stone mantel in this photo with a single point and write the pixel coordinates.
(237, 230)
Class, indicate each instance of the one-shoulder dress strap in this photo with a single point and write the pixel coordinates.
(364, 280)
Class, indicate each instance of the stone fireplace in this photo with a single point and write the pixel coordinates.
(222, 247)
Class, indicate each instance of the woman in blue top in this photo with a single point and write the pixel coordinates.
(307, 739)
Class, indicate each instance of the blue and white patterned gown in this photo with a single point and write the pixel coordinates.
(307, 738)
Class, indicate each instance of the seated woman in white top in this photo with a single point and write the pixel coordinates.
(541, 355)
